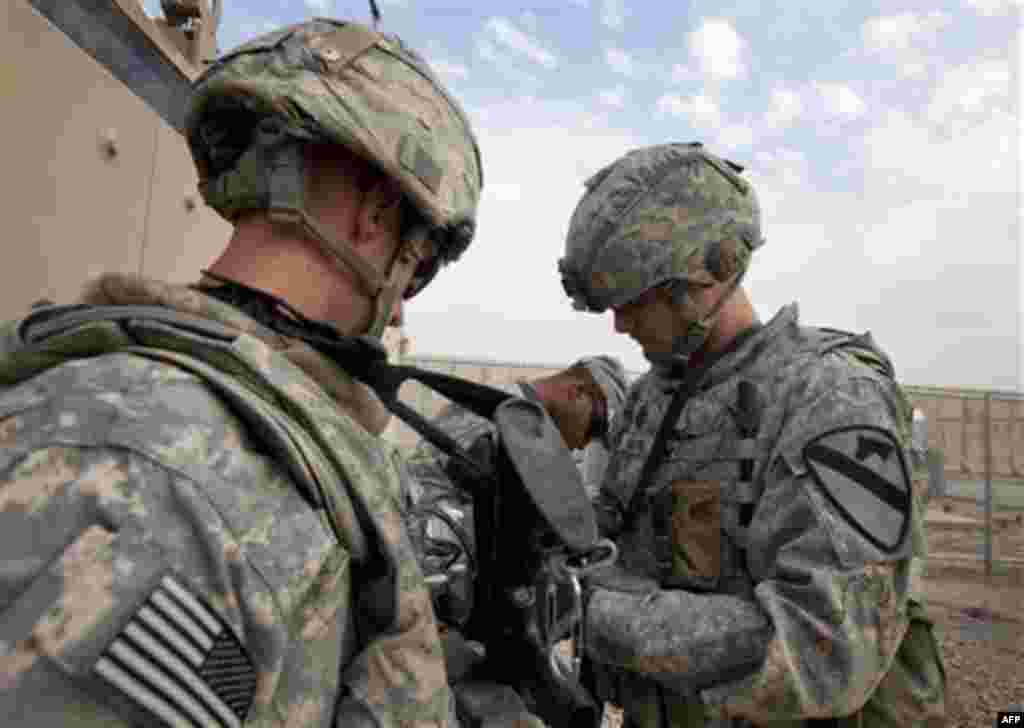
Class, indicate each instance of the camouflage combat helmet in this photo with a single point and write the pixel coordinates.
(660, 214)
(338, 82)
(610, 376)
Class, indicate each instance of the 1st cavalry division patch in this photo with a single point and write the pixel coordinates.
(863, 472)
(179, 661)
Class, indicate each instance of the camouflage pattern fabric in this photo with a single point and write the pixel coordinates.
(197, 532)
(343, 83)
(777, 610)
(662, 213)
(431, 487)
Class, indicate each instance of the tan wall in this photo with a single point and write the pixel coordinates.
(958, 426)
(73, 207)
(956, 417)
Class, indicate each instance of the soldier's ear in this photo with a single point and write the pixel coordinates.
(379, 211)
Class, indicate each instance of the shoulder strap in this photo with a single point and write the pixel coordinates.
(54, 334)
(655, 457)
(691, 382)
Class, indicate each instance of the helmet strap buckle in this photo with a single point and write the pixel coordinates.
(413, 249)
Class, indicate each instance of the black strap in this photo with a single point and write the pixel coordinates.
(691, 381)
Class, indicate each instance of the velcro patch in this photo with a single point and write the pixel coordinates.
(413, 155)
(178, 660)
(863, 472)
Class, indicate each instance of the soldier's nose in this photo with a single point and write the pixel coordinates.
(397, 314)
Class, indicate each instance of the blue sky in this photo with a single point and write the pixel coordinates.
(883, 140)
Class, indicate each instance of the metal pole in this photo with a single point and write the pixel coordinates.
(988, 484)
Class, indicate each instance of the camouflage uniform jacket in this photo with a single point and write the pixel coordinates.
(749, 596)
(200, 529)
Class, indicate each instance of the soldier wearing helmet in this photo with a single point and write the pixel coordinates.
(201, 523)
(582, 400)
(760, 491)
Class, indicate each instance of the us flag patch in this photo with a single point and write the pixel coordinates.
(177, 659)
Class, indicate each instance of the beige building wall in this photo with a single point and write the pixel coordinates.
(95, 180)
(959, 426)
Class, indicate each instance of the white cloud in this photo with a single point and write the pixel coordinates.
(613, 14)
(580, 3)
(889, 34)
(922, 213)
(682, 73)
(839, 100)
(994, 7)
(615, 97)
(905, 39)
(718, 50)
(785, 108)
(505, 64)
(511, 37)
(733, 137)
(524, 216)
(969, 91)
(529, 20)
(701, 110)
(620, 61)
(320, 7)
(450, 71)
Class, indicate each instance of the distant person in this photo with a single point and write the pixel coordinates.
(770, 539)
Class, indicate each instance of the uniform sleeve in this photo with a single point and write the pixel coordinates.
(155, 565)
(829, 607)
(99, 623)
(398, 676)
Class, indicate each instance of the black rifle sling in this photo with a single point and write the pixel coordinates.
(363, 358)
(656, 456)
(691, 382)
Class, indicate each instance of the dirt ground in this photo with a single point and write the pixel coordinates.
(979, 618)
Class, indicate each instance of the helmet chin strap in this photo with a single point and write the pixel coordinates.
(696, 335)
(414, 248)
(286, 196)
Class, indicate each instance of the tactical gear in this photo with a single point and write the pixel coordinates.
(339, 83)
(338, 474)
(672, 214)
(741, 431)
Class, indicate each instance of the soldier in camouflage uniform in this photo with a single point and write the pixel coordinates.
(770, 538)
(201, 525)
(582, 400)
